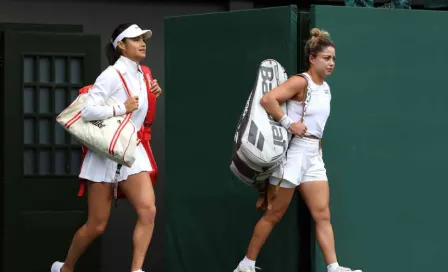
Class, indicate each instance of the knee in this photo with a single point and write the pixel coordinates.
(321, 214)
(97, 228)
(274, 216)
(147, 213)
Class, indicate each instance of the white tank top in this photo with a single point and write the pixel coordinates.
(317, 107)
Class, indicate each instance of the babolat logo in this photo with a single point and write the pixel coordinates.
(98, 123)
(267, 77)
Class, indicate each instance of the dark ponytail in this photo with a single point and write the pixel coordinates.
(113, 54)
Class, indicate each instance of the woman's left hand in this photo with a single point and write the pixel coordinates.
(155, 88)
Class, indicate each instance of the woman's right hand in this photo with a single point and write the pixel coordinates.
(131, 104)
(298, 128)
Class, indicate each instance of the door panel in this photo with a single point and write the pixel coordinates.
(43, 72)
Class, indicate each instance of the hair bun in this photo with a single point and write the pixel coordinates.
(317, 33)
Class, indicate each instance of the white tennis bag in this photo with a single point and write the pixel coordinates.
(114, 138)
(260, 142)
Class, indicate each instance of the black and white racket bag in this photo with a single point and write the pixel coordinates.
(260, 142)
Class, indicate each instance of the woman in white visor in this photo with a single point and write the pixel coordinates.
(125, 52)
(303, 166)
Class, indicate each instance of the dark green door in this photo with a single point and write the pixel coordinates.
(42, 73)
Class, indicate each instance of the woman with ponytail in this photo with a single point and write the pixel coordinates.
(303, 166)
(125, 51)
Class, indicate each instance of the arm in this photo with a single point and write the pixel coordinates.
(95, 107)
(285, 91)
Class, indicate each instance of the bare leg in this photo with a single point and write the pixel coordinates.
(316, 195)
(138, 189)
(269, 220)
(99, 203)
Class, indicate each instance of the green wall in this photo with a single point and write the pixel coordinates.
(384, 147)
(211, 66)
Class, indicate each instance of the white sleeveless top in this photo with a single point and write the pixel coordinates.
(317, 108)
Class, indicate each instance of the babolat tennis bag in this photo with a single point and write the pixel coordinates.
(260, 141)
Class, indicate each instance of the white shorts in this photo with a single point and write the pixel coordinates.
(302, 163)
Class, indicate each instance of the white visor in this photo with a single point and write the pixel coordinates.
(132, 32)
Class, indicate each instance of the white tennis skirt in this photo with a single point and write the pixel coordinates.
(302, 163)
(97, 168)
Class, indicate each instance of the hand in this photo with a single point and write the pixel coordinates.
(155, 88)
(131, 104)
(298, 128)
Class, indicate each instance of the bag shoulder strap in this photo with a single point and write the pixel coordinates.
(147, 75)
(87, 88)
(150, 114)
(147, 71)
(128, 92)
(305, 94)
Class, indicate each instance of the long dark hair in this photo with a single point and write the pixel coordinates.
(113, 54)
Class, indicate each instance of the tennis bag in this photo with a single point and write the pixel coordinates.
(260, 142)
(115, 138)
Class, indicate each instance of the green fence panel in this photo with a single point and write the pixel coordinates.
(383, 146)
(211, 66)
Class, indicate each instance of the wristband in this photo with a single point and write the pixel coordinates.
(286, 122)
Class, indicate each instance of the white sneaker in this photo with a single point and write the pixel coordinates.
(248, 269)
(346, 269)
(56, 267)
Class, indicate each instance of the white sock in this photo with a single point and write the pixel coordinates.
(246, 263)
(332, 267)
